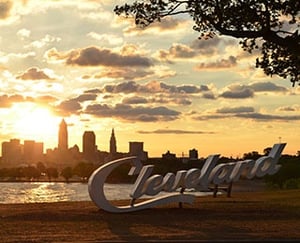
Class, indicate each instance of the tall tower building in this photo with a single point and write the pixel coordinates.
(63, 136)
(89, 146)
(112, 143)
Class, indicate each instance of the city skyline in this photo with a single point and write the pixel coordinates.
(160, 85)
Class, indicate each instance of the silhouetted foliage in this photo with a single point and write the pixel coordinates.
(84, 170)
(254, 155)
(289, 174)
(41, 167)
(51, 173)
(67, 173)
(271, 26)
(31, 173)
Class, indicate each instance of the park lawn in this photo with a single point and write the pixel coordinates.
(270, 215)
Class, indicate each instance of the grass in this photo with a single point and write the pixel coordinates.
(250, 216)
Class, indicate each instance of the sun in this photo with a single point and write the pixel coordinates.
(34, 122)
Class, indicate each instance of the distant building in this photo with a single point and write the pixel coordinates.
(137, 149)
(193, 154)
(112, 143)
(169, 155)
(33, 151)
(89, 147)
(15, 154)
(63, 136)
(12, 153)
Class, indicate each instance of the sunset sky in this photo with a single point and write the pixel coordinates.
(77, 60)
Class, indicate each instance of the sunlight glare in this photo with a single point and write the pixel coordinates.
(34, 122)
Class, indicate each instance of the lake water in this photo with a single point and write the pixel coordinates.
(32, 192)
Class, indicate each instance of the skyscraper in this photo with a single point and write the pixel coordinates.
(63, 136)
(112, 143)
(89, 146)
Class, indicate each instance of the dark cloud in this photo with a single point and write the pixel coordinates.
(244, 114)
(73, 106)
(170, 131)
(5, 7)
(94, 56)
(134, 100)
(156, 100)
(267, 117)
(167, 23)
(68, 107)
(125, 73)
(154, 87)
(198, 48)
(131, 113)
(267, 87)
(206, 47)
(33, 74)
(241, 109)
(238, 92)
(124, 87)
(92, 91)
(223, 63)
(181, 51)
(209, 95)
(85, 97)
(210, 46)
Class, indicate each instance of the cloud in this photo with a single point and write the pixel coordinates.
(156, 100)
(45, 99)
(177, 51)
(134, 100)
(5, 7)
(167, 25)
(85, 97)
(267, 117)
(220, 64)
(245, 113)
(133, 113)
(23, 33)
(240, 109)
(92, 91)
(267, 87)
(94, 56)
(154, 87)
(170, 131)
(106, 38)
(236, 91)
(33, 74)
(7, 101)
(125, 73)
(67, 107)
(289, 108)
(43, 42)
(199, 49)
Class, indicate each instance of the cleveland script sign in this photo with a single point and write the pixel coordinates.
(151, 185)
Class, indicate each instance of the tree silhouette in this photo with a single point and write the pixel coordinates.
(268, 25)
(67, 173)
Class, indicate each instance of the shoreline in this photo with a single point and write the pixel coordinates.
(254, 216)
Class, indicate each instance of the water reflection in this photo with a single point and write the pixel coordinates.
(37, 192)
(42, 192)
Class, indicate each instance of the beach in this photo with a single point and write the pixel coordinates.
(251, 216)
